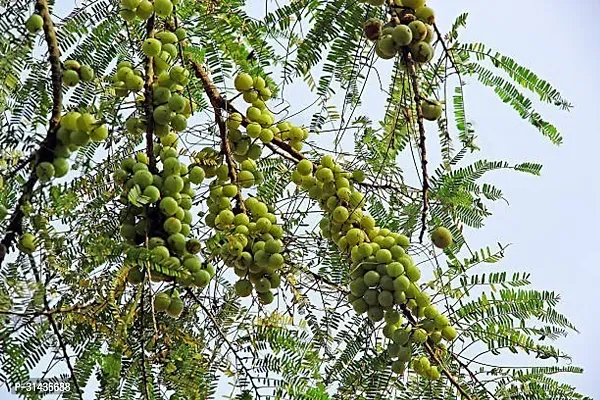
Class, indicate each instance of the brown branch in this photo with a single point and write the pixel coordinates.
(46, 149)
(148, 101)
(425, 176)
(219, 103)
(447, 51)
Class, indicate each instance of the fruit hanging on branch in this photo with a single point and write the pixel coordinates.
(252, 237)
(383, 275)
(408, 30)
(34, 23)
(157, 187)
(441, 237)
(432, 109)
(74, 72)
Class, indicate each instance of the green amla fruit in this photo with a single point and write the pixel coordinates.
(70, 78)
(3, 212)
(34, 23)
(430, 34)
(163, 8)
(72, 64)
(151, 47)
(45, 171)
(130, 4)
(425, 14)
(432, 110)
(144, 10)
(180, 33)
(418, 29)
(162, 302)
(441, 237)
(243, 82)
(372, 28)
(422, 52)
(414, 4)
(27, 243)
(386, 46)
(86, 122)
(175, 308)
(61, 167)
(449, 333)
(167, 37)
(127, 15)
(402, 35)
(99, 133)
(86, 73)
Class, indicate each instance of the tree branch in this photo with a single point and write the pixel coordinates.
(219, 103)
(148, 100)
(425, 176)
(46, 149)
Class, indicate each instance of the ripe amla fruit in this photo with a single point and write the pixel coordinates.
(34, 23)
(432, 110)
(27, 243)
(441, 237)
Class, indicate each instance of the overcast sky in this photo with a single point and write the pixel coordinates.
(552, 221)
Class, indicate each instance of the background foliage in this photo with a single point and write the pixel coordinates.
(67, 313)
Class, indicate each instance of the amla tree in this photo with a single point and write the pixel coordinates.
(172, 221)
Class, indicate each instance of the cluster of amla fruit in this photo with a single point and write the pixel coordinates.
(143, 9)
(74, 72)
(163, 50)
(409, 29)
(262, 121)
(252, 245)
(75, 130)
(161, 225)
(383, 276)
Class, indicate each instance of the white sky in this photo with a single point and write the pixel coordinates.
(551, 220)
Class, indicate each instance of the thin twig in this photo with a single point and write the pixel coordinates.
(417, 97)
(55, 329)
(227, 341)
